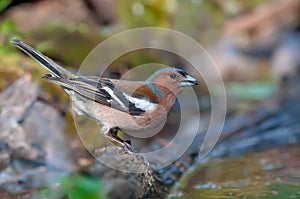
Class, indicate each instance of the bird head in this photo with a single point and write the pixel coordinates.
(170, 78)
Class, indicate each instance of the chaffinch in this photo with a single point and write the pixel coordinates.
(129, 106)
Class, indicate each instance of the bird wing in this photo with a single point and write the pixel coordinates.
(118, 94)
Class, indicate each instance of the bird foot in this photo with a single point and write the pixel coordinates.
(129, 147)
(125, 144)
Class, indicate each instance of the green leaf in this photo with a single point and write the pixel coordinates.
(87, 184)
(76, 187)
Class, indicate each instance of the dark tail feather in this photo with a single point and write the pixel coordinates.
(54, 68)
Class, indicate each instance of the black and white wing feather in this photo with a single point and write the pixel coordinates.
(103, 91)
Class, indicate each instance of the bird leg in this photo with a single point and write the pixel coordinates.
(113, 137)
(114, 133)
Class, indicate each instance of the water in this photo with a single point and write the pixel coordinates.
(273, 173)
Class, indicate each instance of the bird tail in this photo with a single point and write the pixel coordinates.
(55, 69)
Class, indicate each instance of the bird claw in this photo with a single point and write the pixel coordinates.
(129, 147)
(125, 144)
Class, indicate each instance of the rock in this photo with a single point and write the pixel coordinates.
(122, 184)
(14, 102)
(5, 153)
(38, 14)
(32, 141)
(45, 128)
(286, 60)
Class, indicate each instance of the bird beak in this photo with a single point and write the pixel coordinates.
(189, 81)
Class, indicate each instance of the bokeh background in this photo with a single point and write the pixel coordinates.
(255, 45)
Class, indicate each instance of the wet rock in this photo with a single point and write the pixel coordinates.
(276, 127)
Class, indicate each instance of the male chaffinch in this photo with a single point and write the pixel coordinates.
(129, 106)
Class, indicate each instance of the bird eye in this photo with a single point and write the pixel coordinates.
(173, 75)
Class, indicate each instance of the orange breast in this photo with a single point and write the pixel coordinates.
(146, 91)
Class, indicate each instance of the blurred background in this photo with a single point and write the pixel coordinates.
(255, 45)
